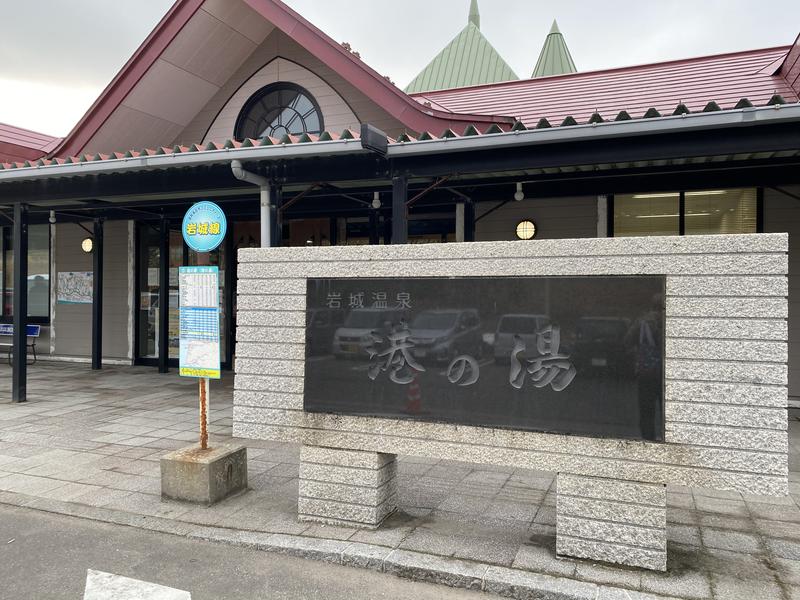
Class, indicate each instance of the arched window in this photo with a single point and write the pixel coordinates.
(278, 109)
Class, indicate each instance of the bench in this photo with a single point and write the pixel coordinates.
(32, 331)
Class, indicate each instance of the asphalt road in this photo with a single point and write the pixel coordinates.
(50, 554)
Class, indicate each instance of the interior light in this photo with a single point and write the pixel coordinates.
(526, 230)
(87, 245)
(713, 193)
(647, 196)
(672, 216)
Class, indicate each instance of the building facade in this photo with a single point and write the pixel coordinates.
(700, 146)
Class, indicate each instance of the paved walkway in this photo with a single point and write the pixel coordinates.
(88, 443)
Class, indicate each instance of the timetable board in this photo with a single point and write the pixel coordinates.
(199, 322)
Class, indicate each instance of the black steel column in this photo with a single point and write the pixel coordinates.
(334, 231)
(163, 297)
(276, 200)
(19, 370)
(97, 296)
(399, 210)
(469, 221)
(374, 218)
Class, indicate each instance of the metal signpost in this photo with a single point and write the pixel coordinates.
(204, 228)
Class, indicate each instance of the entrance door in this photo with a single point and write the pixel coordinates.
(148, 287)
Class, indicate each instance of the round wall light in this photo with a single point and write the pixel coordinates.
(526, 230)
(87, 245)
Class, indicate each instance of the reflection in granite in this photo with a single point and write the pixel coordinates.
(575, 355)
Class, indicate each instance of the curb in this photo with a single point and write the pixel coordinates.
(417, 566)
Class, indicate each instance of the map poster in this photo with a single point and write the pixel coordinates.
(75, 288)
(199, 322)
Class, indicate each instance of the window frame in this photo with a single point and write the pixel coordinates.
(6, 244)
(611, 223)
(256, 98)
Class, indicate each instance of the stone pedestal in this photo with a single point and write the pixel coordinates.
(346, 487)
(204, 476)
(612, 521)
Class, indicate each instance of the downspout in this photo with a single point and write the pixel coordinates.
(266, 206)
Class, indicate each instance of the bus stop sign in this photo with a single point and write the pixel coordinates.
(204, 227)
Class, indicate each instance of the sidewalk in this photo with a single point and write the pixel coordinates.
(88, 444)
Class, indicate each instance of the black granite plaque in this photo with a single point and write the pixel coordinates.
(574, 355)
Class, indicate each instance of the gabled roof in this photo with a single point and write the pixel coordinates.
(376, 87)
(555, 58)
(724, 79)
(18, 144)
(469, 59)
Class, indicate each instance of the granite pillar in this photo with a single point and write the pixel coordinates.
(346, 487)
(611, 520)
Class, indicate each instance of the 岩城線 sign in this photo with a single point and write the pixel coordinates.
(204, 227)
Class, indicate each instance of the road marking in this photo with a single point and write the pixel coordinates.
(105, 586)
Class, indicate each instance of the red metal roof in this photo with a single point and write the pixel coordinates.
(18, 144)
(723, 78)
(790, 69)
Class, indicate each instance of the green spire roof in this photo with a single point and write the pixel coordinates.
(475, 14)
(555, 58)
(469, 59)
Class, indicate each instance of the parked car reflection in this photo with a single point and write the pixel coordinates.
(322, 324)
(355, 335)
(600, 344)
(510, 326)
(441, 335)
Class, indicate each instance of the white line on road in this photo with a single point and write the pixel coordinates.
(105, 586)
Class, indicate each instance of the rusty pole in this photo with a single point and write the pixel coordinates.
(203, 414)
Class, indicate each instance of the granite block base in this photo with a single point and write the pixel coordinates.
(204, 476)
(346, 487)
(612, 521)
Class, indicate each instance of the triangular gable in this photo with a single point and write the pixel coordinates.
(151, 93)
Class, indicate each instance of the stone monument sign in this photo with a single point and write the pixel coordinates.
(620, 364)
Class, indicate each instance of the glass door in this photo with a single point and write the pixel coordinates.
(148, 287)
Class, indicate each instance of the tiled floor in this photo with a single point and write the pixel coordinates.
(95, 438)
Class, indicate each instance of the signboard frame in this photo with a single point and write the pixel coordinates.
(199, 322)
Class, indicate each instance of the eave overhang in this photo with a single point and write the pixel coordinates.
(576, 136)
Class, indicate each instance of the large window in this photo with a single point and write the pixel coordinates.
(279, 109)
(686, 213)
(38, 273)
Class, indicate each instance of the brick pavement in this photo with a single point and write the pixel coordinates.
(88, 443)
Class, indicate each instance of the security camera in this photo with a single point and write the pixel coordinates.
(520, 195)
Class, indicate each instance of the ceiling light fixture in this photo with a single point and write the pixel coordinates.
(519, 196)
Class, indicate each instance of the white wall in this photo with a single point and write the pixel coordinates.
(72, 323)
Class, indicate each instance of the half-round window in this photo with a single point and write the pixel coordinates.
(278, 109)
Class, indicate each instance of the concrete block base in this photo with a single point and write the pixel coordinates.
(204, 476)
(346, 487)
(612, 521)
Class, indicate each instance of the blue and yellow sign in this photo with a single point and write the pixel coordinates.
(204, 227)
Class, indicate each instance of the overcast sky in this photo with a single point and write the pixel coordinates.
(58, 55)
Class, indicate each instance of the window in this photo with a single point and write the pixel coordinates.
(647, 214)
(38, 273)
(686, 213)
(279, 109)
(721, 211)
